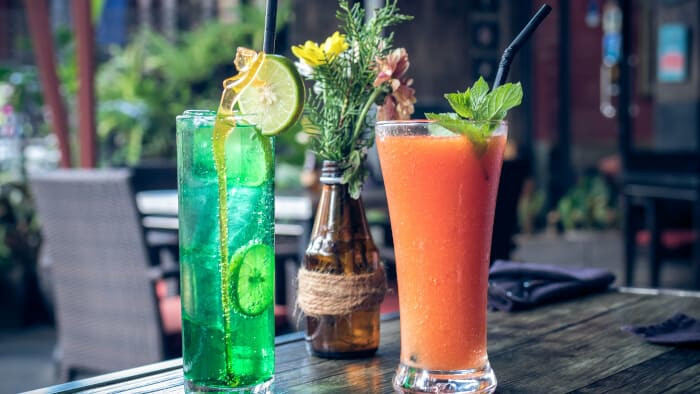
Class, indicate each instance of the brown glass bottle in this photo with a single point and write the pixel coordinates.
(341, 244)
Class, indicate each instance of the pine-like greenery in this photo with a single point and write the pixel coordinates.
(338, 105)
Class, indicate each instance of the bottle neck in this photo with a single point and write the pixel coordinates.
(331, 173)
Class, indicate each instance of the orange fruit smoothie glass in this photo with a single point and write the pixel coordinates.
(441, 190)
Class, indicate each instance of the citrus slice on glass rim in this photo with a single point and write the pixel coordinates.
(276, 97)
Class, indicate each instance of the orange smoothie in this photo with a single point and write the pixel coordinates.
(442, 197)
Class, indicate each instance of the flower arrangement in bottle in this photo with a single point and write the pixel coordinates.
(357, 78)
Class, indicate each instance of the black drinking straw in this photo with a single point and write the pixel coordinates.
(518, 42)
(270, 21)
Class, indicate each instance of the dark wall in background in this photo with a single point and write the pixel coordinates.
(436, 40)
(594, 134)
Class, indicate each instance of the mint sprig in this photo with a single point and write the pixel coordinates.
(477, 110)
(503, 98)
(477, 132)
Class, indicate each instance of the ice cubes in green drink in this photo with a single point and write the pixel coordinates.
(248, 153)
(204, 355)
(197, 282)
(248, 157)
(203, 158)
(247, 219)
(195, 147)
(199, 229)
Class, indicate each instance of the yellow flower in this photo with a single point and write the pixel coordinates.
(315, 55)
(334, 46)
(310, 53)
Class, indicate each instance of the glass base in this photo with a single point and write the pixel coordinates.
(418, 380)
(264, 387)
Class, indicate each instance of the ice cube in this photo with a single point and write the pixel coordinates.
(248, 157)
(203, 351)
(244, 59)
(253, 344)
(194, 140)
(203, 153)
(200, 293)
(198, 213)
(247, 63)
(245, 215)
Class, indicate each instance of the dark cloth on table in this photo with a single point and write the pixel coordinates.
(680, 329)
(517, 286)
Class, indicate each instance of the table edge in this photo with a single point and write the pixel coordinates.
(652, 291)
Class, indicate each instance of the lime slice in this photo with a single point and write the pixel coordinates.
(277, 96)
(252, 278)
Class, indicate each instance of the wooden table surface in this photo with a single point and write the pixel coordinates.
(575, 346)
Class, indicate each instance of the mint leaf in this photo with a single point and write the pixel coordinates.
(503, 98)
(472, 103)
(477, 103)
(483, 109)
(460, 103)
(449, 120)
(437, 130)
(478, 98)
(477, 132)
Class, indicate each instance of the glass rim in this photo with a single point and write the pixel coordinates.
(206, 114)
(407, 122)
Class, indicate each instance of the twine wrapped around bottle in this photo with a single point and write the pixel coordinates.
(326, 294)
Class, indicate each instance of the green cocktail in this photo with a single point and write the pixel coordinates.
(227, 266)
(226, 214)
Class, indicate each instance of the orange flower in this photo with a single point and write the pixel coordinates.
(398, 105)
(405, 97)
(392, 67)
(387, 111)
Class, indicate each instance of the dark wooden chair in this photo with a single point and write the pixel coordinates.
(648, 196)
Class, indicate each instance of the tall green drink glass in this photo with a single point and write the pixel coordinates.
(226, 230)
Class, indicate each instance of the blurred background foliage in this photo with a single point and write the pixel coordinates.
(141, 87)
(588, 205)
(19, 228)
(591, 204)
(20, 92)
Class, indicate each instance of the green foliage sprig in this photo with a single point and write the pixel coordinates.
(337, 108)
